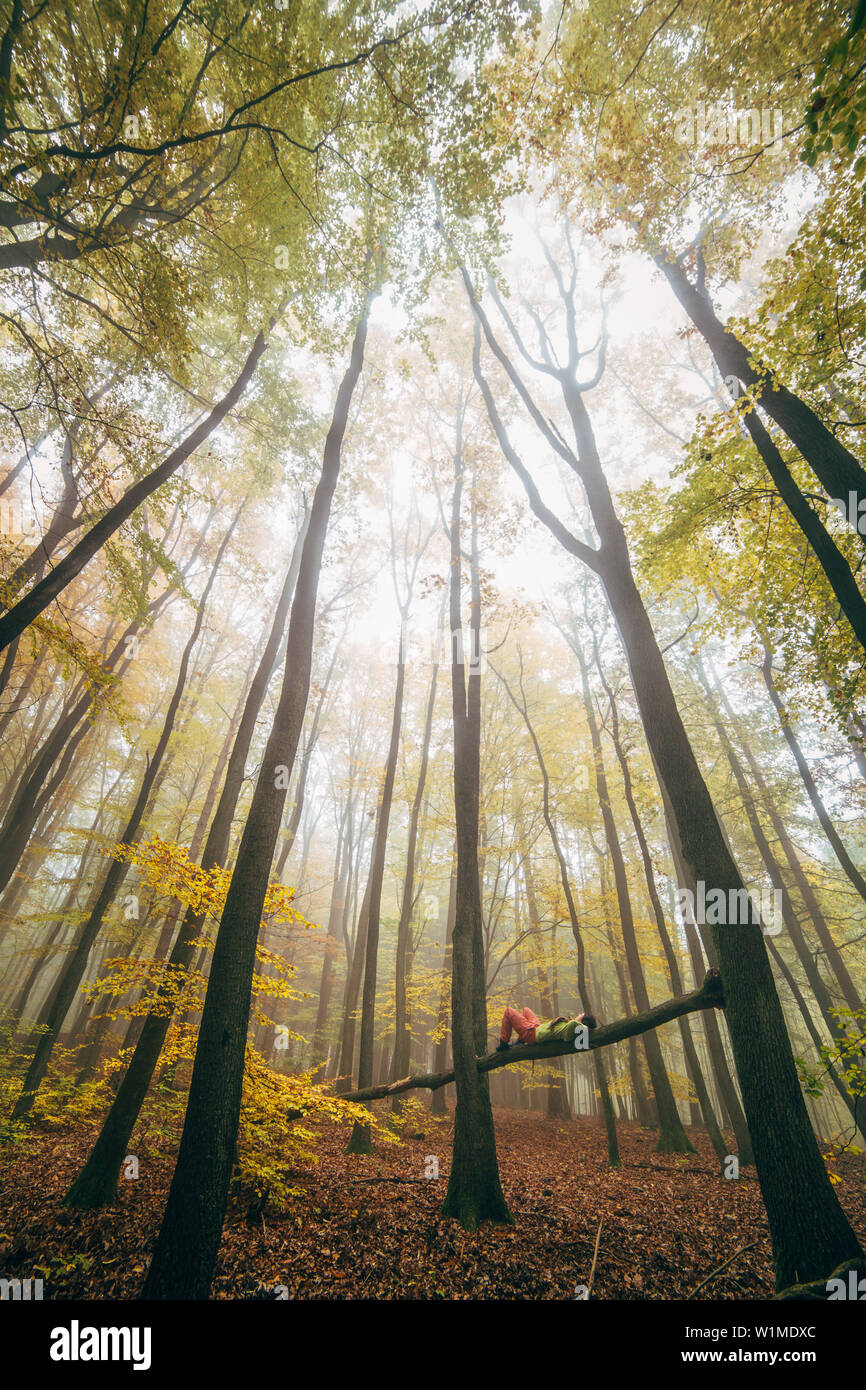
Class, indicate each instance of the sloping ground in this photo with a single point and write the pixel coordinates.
(667, 1222)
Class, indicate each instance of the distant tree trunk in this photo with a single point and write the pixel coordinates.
(350, 996)
(672, 1137)
(440, 1054)
(689, 1051)
(96, 1184)
(402, 1035)
(188, 1241)
(332, 940)
(77, 962)
(856, 1105)
(831, 951)
(303, 771)
(848, 866)
(791, 920)
(359, 1140)
(557, 1097)
(715, 1045)
(613, 1156)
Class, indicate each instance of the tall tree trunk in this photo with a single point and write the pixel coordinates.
(440, 1054)
(188, 1241)
(474, 1188)
(96, 1184)
(359, 1140)
(402, 1034)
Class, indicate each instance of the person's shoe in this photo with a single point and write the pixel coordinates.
(502, 1046)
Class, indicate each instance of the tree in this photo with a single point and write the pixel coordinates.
(474, 1188)
(187, 1245)
(810, 1232)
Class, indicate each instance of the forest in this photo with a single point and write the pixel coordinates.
(432, 671)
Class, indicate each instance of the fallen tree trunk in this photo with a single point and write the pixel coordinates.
(709, 996)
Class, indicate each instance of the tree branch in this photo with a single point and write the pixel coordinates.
(709, 996)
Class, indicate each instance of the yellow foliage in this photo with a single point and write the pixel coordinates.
(167, 867)
(270, 1143)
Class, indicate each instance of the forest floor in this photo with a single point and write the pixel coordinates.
(369, 1227)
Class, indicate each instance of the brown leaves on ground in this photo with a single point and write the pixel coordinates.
(668, 1222)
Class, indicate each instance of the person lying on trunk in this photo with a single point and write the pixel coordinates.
(530, 1029)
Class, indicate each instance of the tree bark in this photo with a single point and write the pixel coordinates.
(359, 1140)
(402, 1034)
(188, 1242)
(96, 1184)
(474, 1188)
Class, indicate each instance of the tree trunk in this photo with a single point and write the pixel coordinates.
(359, 1140)
(96, 1184)
(474, 1188)
(402, 1033)
(833, 464)
(188, 1241)
(689, 1051)
(440, 1054)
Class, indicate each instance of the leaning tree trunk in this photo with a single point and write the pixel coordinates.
(188, 1241)
(22, 614)
(836, 467)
